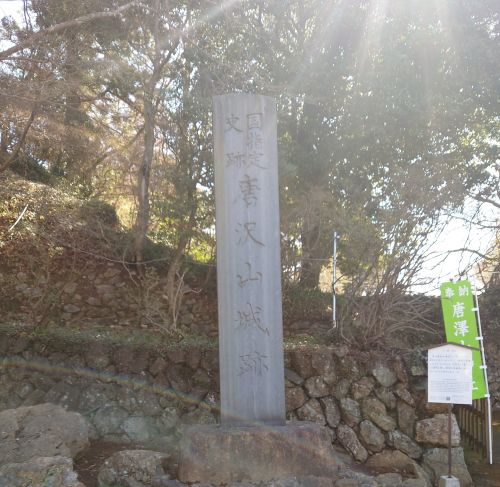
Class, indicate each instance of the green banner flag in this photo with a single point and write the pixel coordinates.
(460, 323)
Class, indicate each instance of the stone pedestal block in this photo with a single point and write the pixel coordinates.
(446, 481)
(223, 454)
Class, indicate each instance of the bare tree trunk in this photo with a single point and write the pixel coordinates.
(142, 219)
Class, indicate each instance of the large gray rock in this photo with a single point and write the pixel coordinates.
(219, 454)
(311, 411)
(295, 398)
(384, 375)
(400, 441)
(434, 431)
(375, 410)
(316, 387)
(40, 471)
(351, 412)
(304, 481)
(108, 419)
(332, 411)
(437, 460)
(362, 388)
(371, 436)
(140, 429)
(132, 468)
(42, 430)
(406, 418)
(396, 461)
(390, 479)
(349, 440)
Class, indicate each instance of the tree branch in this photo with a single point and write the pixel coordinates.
(33, 39)
(13, 155)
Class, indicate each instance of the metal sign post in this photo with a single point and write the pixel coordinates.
(334, 279)
(484, 368)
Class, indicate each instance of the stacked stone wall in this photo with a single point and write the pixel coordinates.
(374, 404)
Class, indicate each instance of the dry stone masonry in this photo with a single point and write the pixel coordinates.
(146, 397)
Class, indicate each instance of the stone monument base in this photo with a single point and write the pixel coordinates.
(445, 481)
(222, 454)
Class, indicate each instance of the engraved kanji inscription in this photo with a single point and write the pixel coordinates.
(253, 363)
(249, 189)
(231, 122)
(249, 318)
(246, 232)
(248, 276)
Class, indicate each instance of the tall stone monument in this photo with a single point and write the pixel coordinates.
(248, 260)
(252, 443)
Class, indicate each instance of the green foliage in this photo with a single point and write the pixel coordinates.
(387, 111)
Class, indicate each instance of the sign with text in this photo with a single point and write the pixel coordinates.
(248, 260)
(460, 324)
(450, 374)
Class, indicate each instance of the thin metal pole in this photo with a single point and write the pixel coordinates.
(449, 440)
(483, 357)
(334, 279)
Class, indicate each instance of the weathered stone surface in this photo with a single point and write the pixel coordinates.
(348, 439)
(389, 479)
(140, 429)
(341, 388)
(414, 483)
(375, 410)
(199, 416)
(42, 430)
(64, 395)
(300, 481)
(311, 411)
(257, 392)
(358, 478)
(316, 387)
(132, 468)
(158, 366)
(362, 388)
(437, 460)
(434, 431)
(293, 377)
(400, 441)
(301, 363)
(406, 418)
(108, 419)
(386, 396)
(351, 412)
(433, 408)
(400, 370)
(371, 436)
(323, 362)
(295, 397)
(417, 365)
(384, 375)
(396, 461)
(346, 483)
(218, 454)
(40, 471)
(350, 368)
(332, 411)
(403, 393)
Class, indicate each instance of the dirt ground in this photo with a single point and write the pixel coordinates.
(88, 464)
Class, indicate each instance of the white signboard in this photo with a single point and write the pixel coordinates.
(450, 374)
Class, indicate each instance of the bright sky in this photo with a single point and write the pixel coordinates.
(456, 235)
